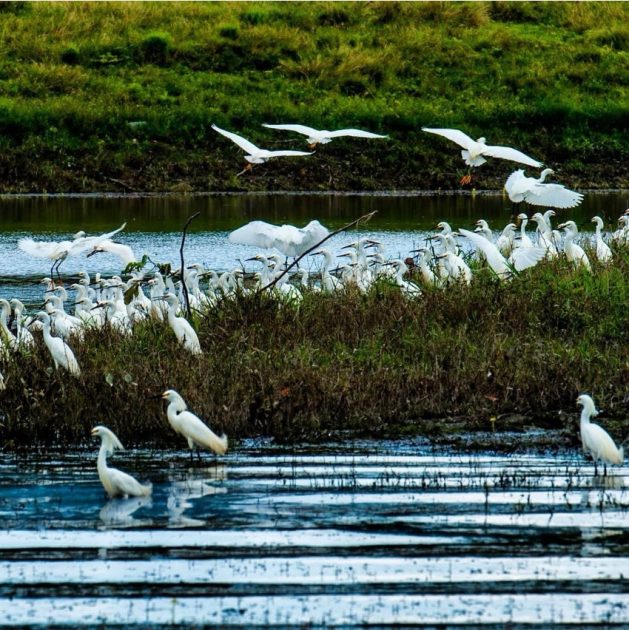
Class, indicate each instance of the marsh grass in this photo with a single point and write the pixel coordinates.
(489, 356)
(548, 78)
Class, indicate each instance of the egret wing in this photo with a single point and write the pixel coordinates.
(126, 484)
(239, 140)
(307, 131)
(355, 133)
(41, 249)
(507, 153)
(525, 257)
(494, 258)
(286, 153)
(463, 140)
(88, 242)
(553, 196)
(197, 431)
(256, 233)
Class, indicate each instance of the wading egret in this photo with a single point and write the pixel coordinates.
(190, 426)
(595, 440)
(115, 482)
(316, 136)
(534, 191)
(255, 155)
(475, 151)
(61, 353)
(288, 239)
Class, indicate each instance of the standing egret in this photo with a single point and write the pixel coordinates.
(316, 136)
(61, 353)
(534, 191)
(603, 253)
(181, 326)
(288, 239)
(115, 482)
(475, 151)
(255, 154)
(574, 253)
(190, 426)
(595, 440)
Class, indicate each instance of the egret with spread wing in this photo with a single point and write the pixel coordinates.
(534, 191)
(317, 136)
(255, 155)
(288, 239)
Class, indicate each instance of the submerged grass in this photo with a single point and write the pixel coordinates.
(457, 359)
(94, 94)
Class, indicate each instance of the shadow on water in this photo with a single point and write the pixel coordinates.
(354, 533)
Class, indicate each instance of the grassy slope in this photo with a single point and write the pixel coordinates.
(377, 364)
(549, 78)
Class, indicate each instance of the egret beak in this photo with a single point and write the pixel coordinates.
(344, 255)
(94, 251)
(94, 432)
(319, 253)
(349, 246)
(164, 396)
(254, 258)
(99, 305)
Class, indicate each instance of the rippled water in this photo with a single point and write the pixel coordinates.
(154, 225)
(357, 533)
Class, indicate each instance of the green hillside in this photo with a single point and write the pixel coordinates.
(121, 96)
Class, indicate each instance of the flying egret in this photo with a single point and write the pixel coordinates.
(115, 482)
(190, 426)
(59, 251)
(475, 151)
(316, 136)
(61, 353)
(603, 253)
(595, 440)
(288, 239)
(534, 191)
(255, 154)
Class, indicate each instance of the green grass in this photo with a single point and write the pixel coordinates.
(94, 91)
(375, 364)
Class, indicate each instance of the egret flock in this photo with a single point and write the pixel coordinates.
(442, 261)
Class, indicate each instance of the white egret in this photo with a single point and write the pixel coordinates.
(603, 253)
(475, 151)
(595, 440)
(621, 235)
(59, 251)
(61, 353)
(524, 257)
(544, 234)
(482, 228)
(181, 326)
(525, 241)
(505, 241)
(534, 191)
(288, 239)
(190, 426)
(255, 154)
(316, 136)
(574, 253)
(115, 482)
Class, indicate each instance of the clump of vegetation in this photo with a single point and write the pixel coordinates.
(487, 356)
(545, 77)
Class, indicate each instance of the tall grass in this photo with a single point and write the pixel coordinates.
(547, 77)
(461, 358)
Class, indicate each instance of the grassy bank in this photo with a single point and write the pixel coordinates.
(121, 96)
(457, 359)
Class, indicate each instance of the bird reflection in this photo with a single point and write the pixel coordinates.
(118, 512)
(194, 484)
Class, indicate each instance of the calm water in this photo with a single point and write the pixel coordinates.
(354, 533)
(154, 225)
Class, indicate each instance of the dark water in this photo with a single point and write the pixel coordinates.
(355, 533)
(154, 225)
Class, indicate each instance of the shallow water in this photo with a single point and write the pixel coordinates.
(154, 225)
(353, 533)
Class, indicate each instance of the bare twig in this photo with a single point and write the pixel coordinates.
(183, 281)
(362, 219)
(121, 183)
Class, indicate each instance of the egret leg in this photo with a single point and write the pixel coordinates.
(595, 468)
(247, 168)
(604, 470)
